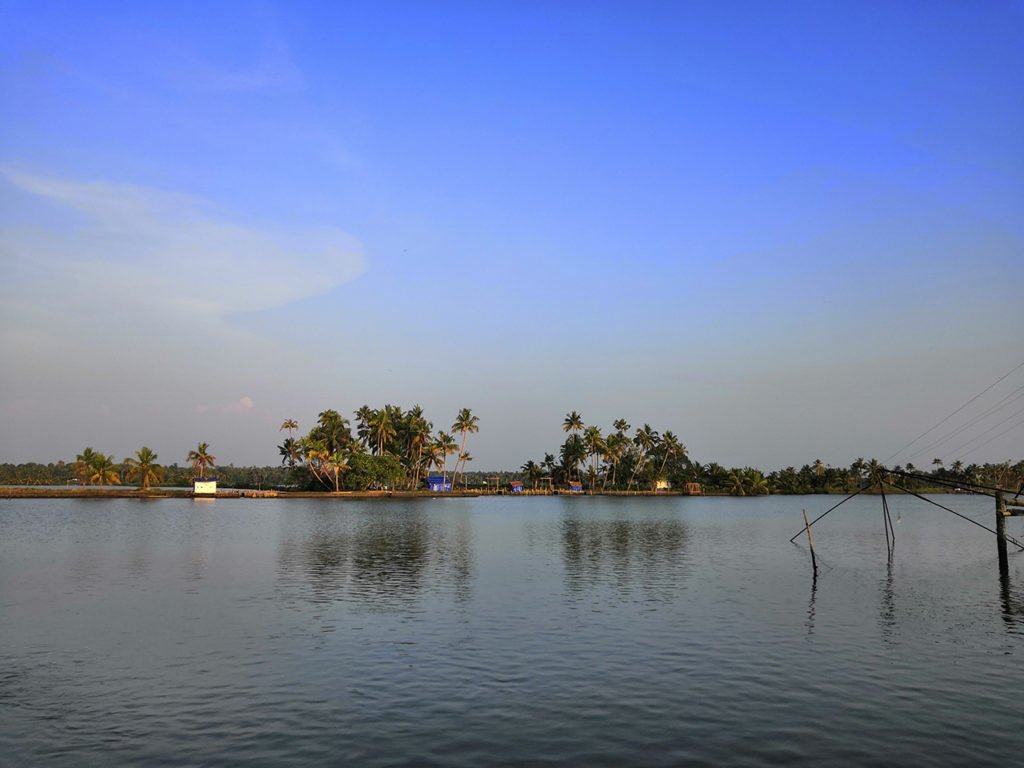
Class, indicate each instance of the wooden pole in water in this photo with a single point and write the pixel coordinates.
(1004, 563)
(885, 519)
(810, 543)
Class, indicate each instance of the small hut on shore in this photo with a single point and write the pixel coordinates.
(204, 486)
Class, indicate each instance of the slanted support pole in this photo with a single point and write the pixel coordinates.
(810, 543)
(1004, 563)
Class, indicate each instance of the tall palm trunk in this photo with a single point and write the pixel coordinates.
(639, 463)
(462, 452)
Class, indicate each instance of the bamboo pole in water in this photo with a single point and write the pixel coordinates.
(810, 542)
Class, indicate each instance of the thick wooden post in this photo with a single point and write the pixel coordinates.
(1004, 563)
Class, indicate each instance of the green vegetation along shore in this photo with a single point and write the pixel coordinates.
(394, 450)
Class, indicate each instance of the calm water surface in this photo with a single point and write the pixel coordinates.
(505, 631)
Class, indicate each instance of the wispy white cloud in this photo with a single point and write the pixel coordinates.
(117, 314)
(171, 253)
(243, 404)
(274, 68)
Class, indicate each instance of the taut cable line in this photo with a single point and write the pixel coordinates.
(954, 512)
(951, 483)
(859, 490)
(1010, 399)
(994, 437)
(954, 413)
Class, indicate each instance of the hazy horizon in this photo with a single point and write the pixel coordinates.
(782, 232)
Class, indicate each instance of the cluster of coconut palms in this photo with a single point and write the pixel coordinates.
(612, 460)
(391, 448)
(94, 468)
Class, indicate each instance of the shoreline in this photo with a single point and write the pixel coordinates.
(106, 492)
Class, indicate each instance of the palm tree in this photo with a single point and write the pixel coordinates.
(333, 430)
(875, 470)
(671, 446)
(364, 415)
(645, 439)
(316, 455)
(755, 483)
(465, 423)
(533, 472)
(83, 465)
(594, 442)
(736, 484)
(143, 467)
(382, 427)
(446, 446)
(431, 456)
(291, 452)
(334, 464)
(288, 450)
(103, 471)
(201, 460)
(466, 458)
(418, 430)
(572, 454)
(616, 444)
(573, 422)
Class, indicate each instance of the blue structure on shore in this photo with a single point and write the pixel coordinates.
(438, 483)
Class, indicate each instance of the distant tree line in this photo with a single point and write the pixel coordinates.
(392, 448)
(94, 468)
(619, 461)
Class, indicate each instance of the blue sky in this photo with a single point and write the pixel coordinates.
(785, 231)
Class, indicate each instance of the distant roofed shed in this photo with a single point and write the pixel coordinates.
(438, 483)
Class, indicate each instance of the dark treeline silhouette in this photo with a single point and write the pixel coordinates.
(394, 449)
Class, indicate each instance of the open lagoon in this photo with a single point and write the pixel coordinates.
(505, 631)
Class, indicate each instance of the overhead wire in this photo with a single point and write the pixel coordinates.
(953, 511)
(1011, 398)
(954, 413)
(1012, 427)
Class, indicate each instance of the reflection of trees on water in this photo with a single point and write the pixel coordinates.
(645, 553)
(382, 559)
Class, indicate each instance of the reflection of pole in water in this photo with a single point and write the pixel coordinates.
(810, 605)
(1011, 604)
(887, 615)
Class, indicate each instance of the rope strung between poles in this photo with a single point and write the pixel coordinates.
(950, 483)
(859, 490)
(953, 511)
